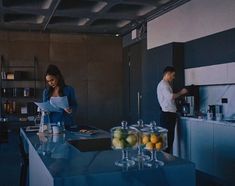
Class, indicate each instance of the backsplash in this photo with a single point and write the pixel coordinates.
(212, 95)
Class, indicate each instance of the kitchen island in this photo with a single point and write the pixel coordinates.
(209, 144)
(54, 161)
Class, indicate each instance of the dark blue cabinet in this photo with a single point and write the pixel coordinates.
(156, 60)
(133, 59)
(210, 50)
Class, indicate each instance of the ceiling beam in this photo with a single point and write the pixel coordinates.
(51, 14)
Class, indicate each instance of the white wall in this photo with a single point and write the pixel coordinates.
(194, 19)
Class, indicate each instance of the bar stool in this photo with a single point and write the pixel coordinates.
(24, 164)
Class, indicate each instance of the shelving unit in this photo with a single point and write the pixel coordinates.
(18, 92)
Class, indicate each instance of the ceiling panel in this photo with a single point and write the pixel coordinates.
(82, 16)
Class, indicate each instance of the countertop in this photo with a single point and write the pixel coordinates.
(57, 160)
(222, 122)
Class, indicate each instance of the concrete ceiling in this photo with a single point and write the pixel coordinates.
(81, 16)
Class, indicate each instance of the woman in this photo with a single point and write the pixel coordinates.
(57, 87)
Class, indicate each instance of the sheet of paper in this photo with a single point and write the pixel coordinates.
(47, 107)
(60, 102)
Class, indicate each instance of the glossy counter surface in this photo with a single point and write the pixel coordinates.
(53, 161)
(222, 122)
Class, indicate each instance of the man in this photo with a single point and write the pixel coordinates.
(166, 99)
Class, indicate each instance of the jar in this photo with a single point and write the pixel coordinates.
(154, 140)
(140, 127)
(124, 138)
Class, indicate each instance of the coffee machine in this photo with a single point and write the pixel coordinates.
(190, 100)
(188, 105)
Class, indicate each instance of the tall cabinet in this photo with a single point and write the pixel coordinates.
(157, 59)
(133, 59)
(18, 92)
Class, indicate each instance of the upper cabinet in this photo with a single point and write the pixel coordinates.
(211, 75)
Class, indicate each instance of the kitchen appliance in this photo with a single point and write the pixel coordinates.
(188, 105)
(190, 101)
(217, 111)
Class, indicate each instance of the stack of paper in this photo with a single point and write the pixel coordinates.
(55, 104)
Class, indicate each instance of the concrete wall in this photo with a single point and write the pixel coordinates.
(91, 64)
(195, 19)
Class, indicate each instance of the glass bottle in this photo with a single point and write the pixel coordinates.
(45, 120)
(37, 118)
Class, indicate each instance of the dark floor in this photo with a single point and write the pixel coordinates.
(10, 161)
(10, 166)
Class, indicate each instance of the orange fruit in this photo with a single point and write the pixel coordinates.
(159, 145)
(154, 138)
(145, 139)
(149, 146)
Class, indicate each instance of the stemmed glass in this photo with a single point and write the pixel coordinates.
(154, 141)
(124, 138)
(140, 126)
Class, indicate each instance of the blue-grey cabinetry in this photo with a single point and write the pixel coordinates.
(184, 139)
(202, 145)
(224, 151)
(210, 145)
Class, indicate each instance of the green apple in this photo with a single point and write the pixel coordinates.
(117, 133)
(117, 143)
(131, 139)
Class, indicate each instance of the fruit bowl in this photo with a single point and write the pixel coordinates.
(154, 140)
(124, 138)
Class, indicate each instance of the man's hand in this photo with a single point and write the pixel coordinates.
(68, 110)
(183, 91)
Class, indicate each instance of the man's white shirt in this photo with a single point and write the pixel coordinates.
(165, 96)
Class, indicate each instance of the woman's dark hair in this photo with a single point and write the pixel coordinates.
(54, 71)
(168, 69)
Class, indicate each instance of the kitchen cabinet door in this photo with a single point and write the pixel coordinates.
(224, 151)
(202, 145)
(208, 75)
(183, 138)
(152, 71)
(132, 57)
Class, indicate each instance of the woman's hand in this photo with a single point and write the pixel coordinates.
(68, 110)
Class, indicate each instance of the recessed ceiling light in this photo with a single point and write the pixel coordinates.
(123, 23)
(46, 4)
(40, 19)
(83, 21)
(117, 35)
(99, 6)
(145, 10)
